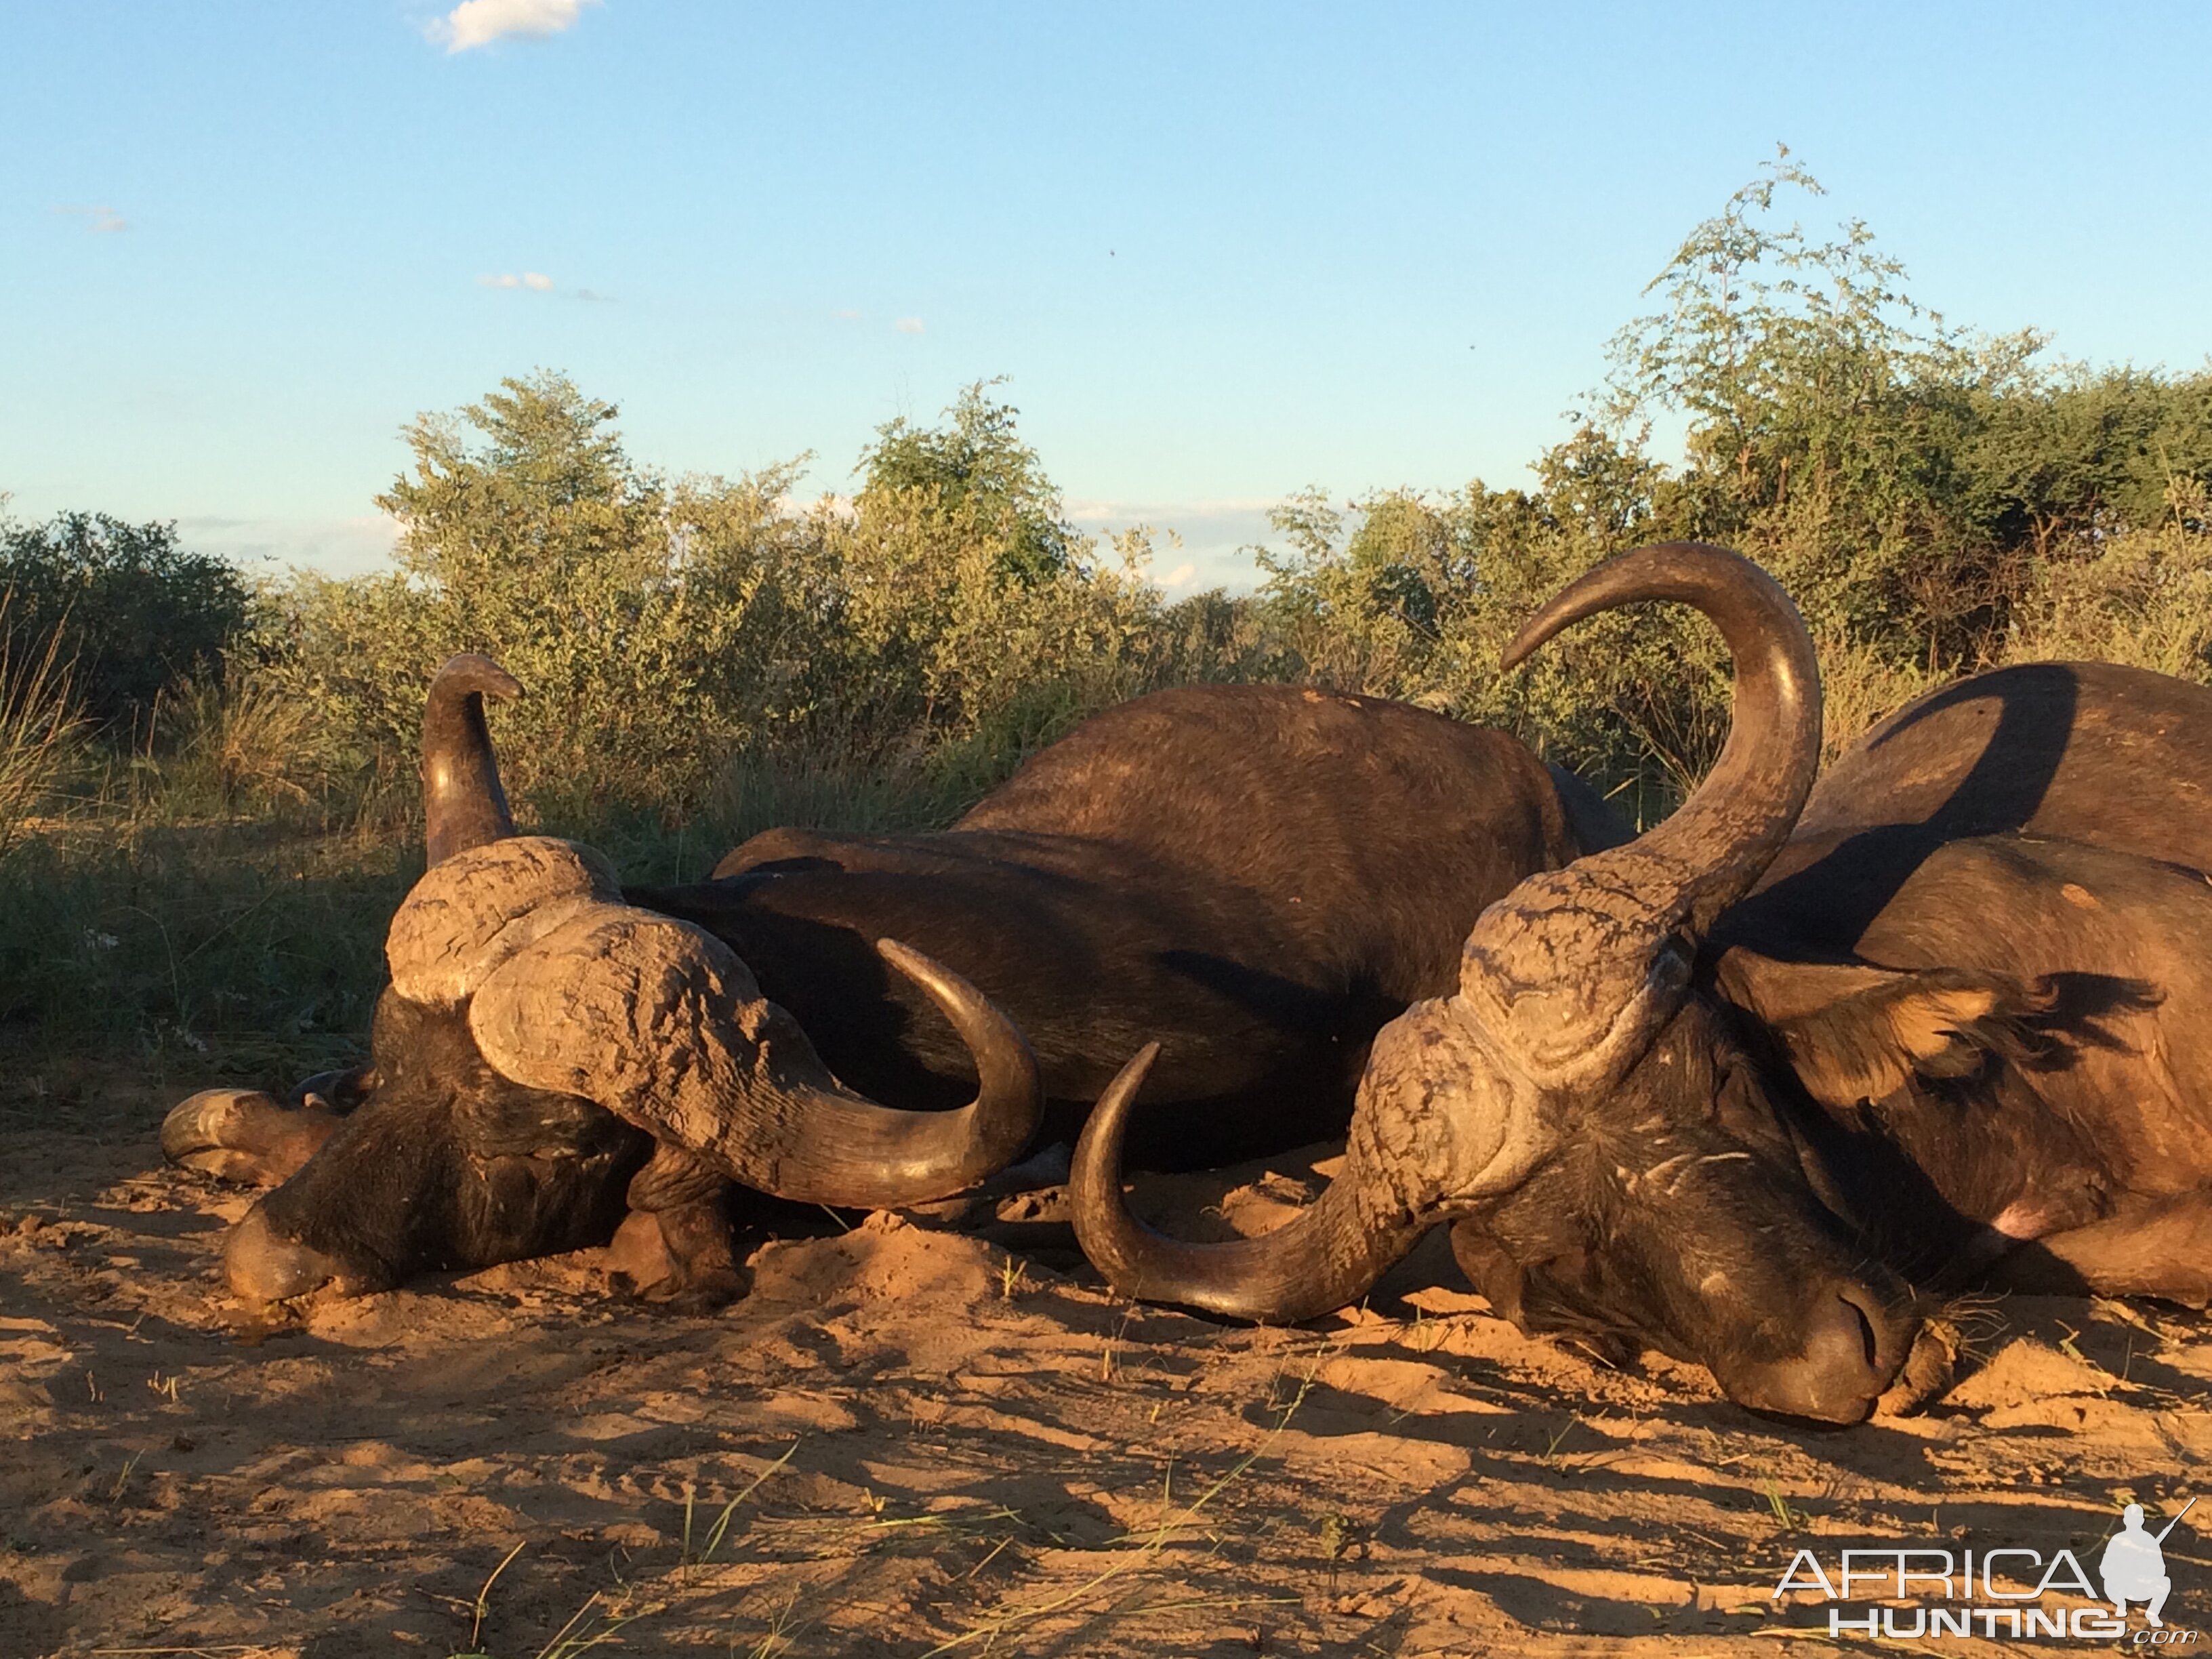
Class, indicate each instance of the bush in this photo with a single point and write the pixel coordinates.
(1935, 502)
(130, 610)
(662, 630)
(704, 658)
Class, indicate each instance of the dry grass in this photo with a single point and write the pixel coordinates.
(1129, 1583)
(38, 728)
(252, 746)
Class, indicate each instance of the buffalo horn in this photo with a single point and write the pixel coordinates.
(1563, 984)
(462, 804)
(1323, 1257)
(862, 1154)
(661, 1023)
(1735, 821)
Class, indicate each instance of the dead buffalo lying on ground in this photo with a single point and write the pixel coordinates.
(1246, 874)
(1953, 1037)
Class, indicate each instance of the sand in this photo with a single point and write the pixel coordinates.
(915, 1439)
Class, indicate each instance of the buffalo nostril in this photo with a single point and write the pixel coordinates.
(1890, 1328)
(1856, 1313)
(263, 1266)
(1838, 1372)
(1839, 1361)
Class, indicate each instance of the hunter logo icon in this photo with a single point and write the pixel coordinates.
(1908, 1591)
(2134, 1565)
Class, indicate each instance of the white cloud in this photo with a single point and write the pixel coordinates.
(106, 220)
(1206, 537)
(479, 22)
(539, 282)
(909, 325)
(337, 547)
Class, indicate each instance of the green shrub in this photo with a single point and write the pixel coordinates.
(705, 658)
(132, 612)
(661, 630)
(1935, 502)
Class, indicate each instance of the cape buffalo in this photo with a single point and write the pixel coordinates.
(1950, 1038)
(1247, 874)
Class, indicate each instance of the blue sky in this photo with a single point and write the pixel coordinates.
(1222, 251)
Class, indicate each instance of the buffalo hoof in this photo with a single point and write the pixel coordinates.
(1050, 1168)
(702, 1293)
(645, 1265)
(638, 1255)
(1930, 1371)
(242, 1135)
(261, 1265)
(339, 1091)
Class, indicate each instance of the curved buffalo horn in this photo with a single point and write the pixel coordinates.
(1564, 984)
(570, 991)
(1323, 1257)
(463, 804)
(1737, 820)
(876, 1157)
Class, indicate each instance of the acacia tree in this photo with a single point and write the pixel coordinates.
(660, 629)
(1912, 485)
(528, 533)
(976, 469)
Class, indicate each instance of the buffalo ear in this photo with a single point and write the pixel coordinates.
(1856, 1033)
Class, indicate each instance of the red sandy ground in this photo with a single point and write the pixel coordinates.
(908, 1441)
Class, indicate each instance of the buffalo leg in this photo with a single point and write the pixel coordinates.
(2161, 1247)
(243, 1135)
(676, 1246)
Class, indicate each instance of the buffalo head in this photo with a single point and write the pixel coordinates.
(540, 1036)
(1586, 1116)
